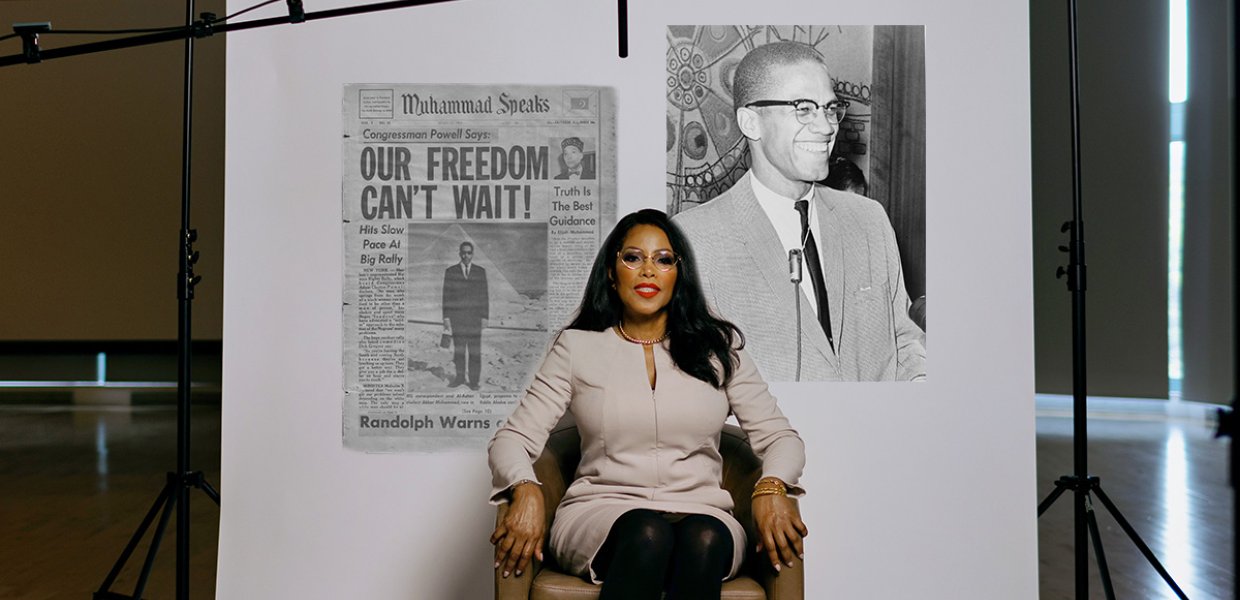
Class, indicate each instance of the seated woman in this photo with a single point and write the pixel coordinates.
(650, 376)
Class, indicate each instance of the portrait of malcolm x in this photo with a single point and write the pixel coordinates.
(751, 199)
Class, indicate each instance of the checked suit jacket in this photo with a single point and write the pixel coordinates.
(744, 273)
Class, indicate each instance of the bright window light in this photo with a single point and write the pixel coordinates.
(1178, 89)
(1177, 93)
(1175, 251)
(101, 368)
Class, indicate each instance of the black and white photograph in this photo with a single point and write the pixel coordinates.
(578, 158)
(476, 307)
(796, 166)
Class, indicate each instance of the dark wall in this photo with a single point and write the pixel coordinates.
(90, 182)
(1124, 140)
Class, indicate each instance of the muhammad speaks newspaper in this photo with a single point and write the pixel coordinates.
(471, 215)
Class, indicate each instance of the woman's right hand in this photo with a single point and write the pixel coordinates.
(519, 536)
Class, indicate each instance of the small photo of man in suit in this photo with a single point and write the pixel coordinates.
(575, 163)
(812, 276)
(466, 308)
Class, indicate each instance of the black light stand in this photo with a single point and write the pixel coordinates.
(1080, 482)
(177, 485)
(176, 488)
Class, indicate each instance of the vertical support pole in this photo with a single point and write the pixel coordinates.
(1076, 283)
(185, 294)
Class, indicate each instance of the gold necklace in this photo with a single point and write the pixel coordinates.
(630, 338)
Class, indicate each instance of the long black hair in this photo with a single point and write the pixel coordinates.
(697, 339)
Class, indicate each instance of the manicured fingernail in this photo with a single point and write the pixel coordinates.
(505, 573)
(801, 556)
(518, 572)
(497, 564)
(777, 567)
(789, 564)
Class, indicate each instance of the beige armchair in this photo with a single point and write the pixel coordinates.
(741, 469)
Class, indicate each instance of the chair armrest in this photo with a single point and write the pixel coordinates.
(787, 584)
(513, 587)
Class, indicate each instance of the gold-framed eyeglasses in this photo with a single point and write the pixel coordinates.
(806, 110)
(634, 258)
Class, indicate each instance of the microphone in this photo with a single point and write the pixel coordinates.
(794, 274)
(794, 265)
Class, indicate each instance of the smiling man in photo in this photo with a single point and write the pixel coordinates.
(845, 318)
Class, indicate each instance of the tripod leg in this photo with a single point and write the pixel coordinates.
(1136, 539)
(154, 549)
(205, 486)
(1050, 499)
(1102, 557)
(1080, 541)
(163, 497)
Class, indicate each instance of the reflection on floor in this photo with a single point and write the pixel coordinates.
(1168, 477)
(76, 482)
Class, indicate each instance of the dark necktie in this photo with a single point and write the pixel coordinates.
(815, 271)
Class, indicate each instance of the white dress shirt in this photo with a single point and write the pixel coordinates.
(783, 215)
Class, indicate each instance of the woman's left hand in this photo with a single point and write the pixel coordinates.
(780, 528)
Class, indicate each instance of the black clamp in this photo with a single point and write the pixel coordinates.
(296, 12)
(29, 32)
(1226, 428)
(1073, 483)
(186, 280)
(193, 479)
(205, 25)
(1226, 423)
(1076, 265)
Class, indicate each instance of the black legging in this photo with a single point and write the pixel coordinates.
(644, 552)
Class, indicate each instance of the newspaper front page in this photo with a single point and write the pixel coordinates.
(471, 216)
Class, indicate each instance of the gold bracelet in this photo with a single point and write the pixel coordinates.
(771, 485)
(513, 487)
(766, 492)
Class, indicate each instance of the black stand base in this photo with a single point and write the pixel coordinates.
(1227, 419)
(163, 506)
(1084, 487)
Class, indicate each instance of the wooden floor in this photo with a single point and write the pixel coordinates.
(75, 483)
(1168, 478)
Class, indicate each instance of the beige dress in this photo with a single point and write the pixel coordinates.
(640, 448)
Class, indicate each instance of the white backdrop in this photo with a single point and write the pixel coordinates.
(915, 490)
